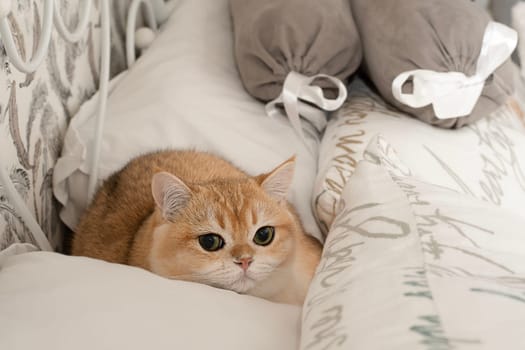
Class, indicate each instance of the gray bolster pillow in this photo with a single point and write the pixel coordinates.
(439, 35)
(275, 37)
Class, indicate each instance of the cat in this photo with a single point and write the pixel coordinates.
(193, 216)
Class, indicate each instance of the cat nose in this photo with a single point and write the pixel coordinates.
(244, 263)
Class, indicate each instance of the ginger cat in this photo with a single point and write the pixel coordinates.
(192, 216)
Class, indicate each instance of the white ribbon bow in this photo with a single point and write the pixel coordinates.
(453, 94)
(296, 89)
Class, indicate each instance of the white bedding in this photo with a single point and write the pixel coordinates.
(407, 265)
(412, 265)
(54, 302)
(433, 285)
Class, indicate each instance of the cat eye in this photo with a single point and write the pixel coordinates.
(264, 235)
(211, 242)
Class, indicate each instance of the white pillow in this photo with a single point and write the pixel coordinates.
(411, 265)
(52, 302)
(485, 160)
(184, 92)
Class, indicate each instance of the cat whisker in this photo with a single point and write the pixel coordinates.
(195, 275)
(214, 282)
(216, 273)
(182, 277)
(218, 276)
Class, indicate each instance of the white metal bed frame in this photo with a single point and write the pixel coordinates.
(155, 12)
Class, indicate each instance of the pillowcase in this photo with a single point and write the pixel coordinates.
(485, 160)
(408, 265)
(441, 36)
(276, 37)
(184, 92)
(53, 302)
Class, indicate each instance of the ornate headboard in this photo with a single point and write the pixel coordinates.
(54, 55)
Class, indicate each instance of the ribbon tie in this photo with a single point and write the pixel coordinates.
(297, 89)
(453, 94)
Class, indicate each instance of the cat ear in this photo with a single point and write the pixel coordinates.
(170, 194)
(277, 182)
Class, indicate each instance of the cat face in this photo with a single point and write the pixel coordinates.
(233, 234)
